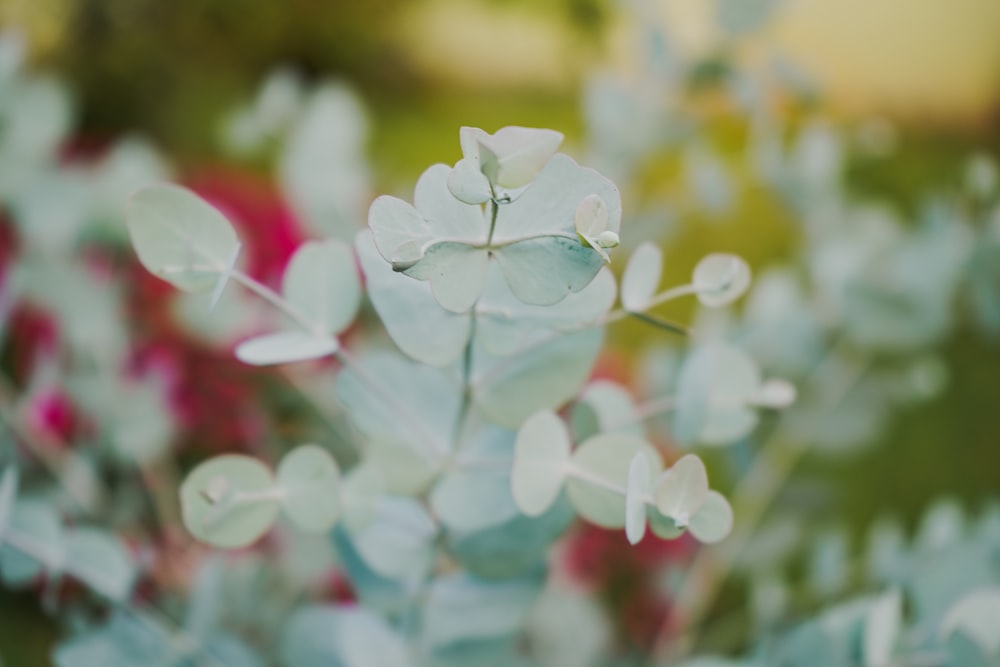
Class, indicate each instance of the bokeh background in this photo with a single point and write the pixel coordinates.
(922, 75)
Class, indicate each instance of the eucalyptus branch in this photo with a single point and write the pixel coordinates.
(373, 384)
(751, 500)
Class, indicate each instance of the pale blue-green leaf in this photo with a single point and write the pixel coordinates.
(396, 224)
(965, 652)
(401, 231)
(373, 590)
(468, 184)
(37, 118)
(605, 407)
(363, 485)
(549, 205)
(886, 550)
(322, 283)
(309, 480)
(225, 649)
(142, 427)
(285, 347)
(412, 316)
(591, 218)
(639, 487)
(32, 543)
(513, 547)
(568, 627)
(461, 608)
(641, 277)
(52, 212)
(215, 506)
(126, 640)
(714, 521)
(513, 155)
(505, 324)
(975, 615)
(942, 526)
(99, 560)
(545, 270)
(8, 495)
(828, 574)
(510, 389)
(682, 489)
(715, 385)
(662, 526)
(604, 458)
(341, 636)
(415, 407)
(720, 279)
(456, 272)
(541, 454)
(398, 543)
(180, 237)
(406, 470)
(882, 629)
(322, 166)
(449, 218)
(476, 493)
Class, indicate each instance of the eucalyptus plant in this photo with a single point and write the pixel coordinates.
(494, 287)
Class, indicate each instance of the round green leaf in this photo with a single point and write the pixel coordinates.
(720, 279)
(713, 522)
(100, 560)
(509, 389)
(322, 283)
(179, 237)
(214, 501)
(541, 453)
(456, 271)
(468, 184)
(716, 386)
(475, 493)
(411, 315)
(975, 615)
(310, 484)
(36, 522)
(641, 277)
(285, 347)
(682, 490)
(362, 488)
(662, 526)
(604, 458)
(639, 487)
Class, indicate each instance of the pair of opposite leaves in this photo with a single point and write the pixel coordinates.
(550, 220)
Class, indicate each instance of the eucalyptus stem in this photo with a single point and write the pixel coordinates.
(343, 355)
(276, 300)
(751, 500)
